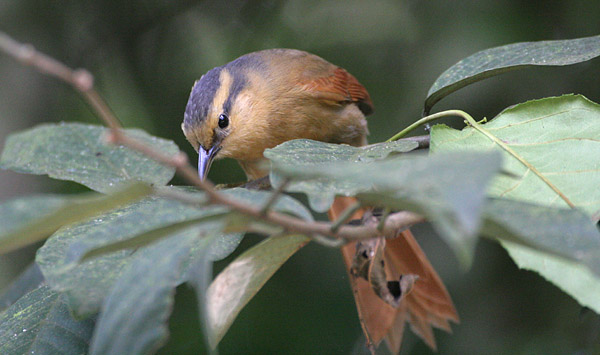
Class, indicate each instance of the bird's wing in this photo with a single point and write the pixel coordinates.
(339, 86)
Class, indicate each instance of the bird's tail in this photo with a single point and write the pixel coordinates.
(427, 303)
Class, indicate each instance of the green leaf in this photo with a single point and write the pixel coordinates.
(572, 277)
(448, 189)
(559, 137)
(143, 282)
(88, 283)
(305, 153)
(199, 276)
(314, 152)
(40, 323)
(235, 286)
(16, 213)
(27, 281)
(498, 60)
(270, 255)
(135, 313)
(78, 152)
(34, 219)
(233, 221)
(142, 240)
(567, 233)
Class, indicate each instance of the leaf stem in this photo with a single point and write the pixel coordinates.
(386, 213)
(346, 214)
(274, 196)
(425, 120)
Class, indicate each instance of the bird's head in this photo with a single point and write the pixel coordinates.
(220, 107)
(265, 98)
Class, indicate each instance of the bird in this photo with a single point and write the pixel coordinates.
(268, 97)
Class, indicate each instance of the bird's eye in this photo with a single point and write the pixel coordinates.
(223, 121)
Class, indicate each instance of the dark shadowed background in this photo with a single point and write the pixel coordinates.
(146, 55)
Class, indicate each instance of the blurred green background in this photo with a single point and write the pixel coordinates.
(146, 55)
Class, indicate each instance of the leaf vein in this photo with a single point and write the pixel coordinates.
(568, 172)
(555, 141)
(517, 184)
(527, 121)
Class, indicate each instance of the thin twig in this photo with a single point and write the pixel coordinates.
(83, 82)
(384, 216)
(80, 79)
(274, 196)
(346, 214)
(422, 141)
(328, 242)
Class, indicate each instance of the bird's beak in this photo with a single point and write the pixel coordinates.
(205, 159)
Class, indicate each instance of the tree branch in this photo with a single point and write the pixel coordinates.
(83, 82)
(422, 141)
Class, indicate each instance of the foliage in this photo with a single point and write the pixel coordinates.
(114, 258)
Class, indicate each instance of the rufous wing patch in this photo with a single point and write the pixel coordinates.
(340, 87)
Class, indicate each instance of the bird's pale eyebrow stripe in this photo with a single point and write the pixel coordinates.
(218, 88)
(238, 69)
(222, 94)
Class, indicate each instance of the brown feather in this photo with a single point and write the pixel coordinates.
(396, 331)
(427, 305)
(340, 87)
(375, 316)
(404, 254)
